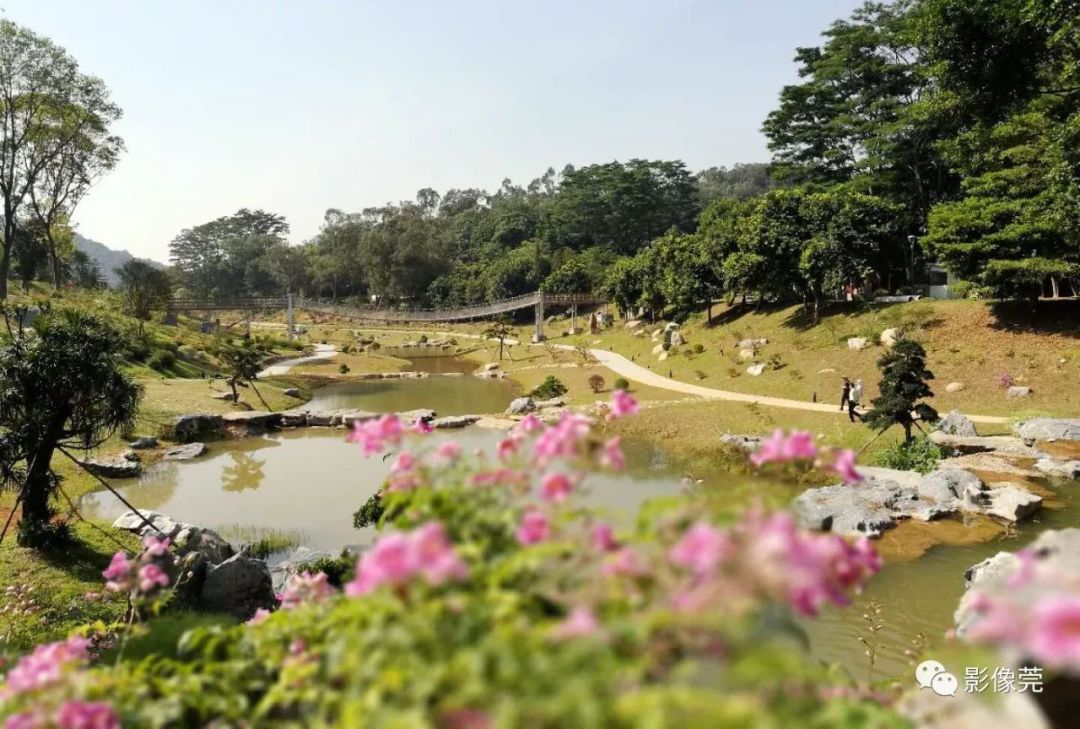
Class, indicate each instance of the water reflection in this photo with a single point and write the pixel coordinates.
(245, 472)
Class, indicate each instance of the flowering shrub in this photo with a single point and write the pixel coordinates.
(799, 450)
(492, 599)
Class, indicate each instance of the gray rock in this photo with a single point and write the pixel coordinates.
(756, 369)
(857, 343)
(112, 467)
(890, 336)
(130, 521)
(751, 343)
(184, 452)
(206, 542)
(677, 339)
(294, 418)
(254, 422)
(1048, 429)
(188, 428)
(411, 416)
(747, 443)
(521, 405)
(291, 392)
(1008, 501)
(300, 558)
(1058, 468)
(227, 396)
(864, 510)
(944, 492)
(238, 586)
(144, 442)
(555, 402)
(348, 417)
(451, 422)
(988, 463)
(954, 387)
(1018, 391)
(191, 568)
(956, 423)
(1003, 445)
(130, 455)
(322, 418)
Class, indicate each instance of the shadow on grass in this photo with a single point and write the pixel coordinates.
(84, 557)
(1050, 317)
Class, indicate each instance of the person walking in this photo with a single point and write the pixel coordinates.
(845, 393)
(854, 396)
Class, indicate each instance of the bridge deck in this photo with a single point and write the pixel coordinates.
(464, 313)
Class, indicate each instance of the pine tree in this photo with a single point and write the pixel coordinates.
(903, 384)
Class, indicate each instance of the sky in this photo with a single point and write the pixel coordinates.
(297, 107)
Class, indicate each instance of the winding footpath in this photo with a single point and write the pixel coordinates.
(323, 353)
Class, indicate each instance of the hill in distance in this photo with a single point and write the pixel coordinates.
(107, 259)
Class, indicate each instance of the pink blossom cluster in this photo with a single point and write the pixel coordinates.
(1045, 630)
(622, 404)
(799, 446)
(142, 576)
(398, 558)
(769, 556)
(534, 527)
(70, 715)
(305, 587)
(375, 434)
(561, 440)
(404, 473)
(45, 666)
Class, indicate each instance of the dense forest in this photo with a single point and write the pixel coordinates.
(921, 130)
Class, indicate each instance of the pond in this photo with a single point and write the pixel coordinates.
(450, 390)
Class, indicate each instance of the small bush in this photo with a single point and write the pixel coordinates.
(776, 362)
(621, 383)
(136, 351)
(551, 387)
(734, 372)
(596, 383)
(344, 369)
(699, 348)
(1005, 381)
(347, 349)
(338, 570)
(162, 360)
(921, 454)
(423, 339)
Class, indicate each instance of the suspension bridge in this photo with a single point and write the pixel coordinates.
(537, 300)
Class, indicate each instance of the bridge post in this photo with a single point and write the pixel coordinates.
(290, 317)
(573, 318)
(538, 335)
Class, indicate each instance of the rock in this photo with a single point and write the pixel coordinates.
(865, 509)
(826, 371)
(658, 349)
(451, 422)
(987, 463)
(1018, 391)
(130, 455)
(954, 387)
(1058, 468)
(206, 542)
(144, 442)
(227, 396)
(520, 406)
(671, 326)
(1004, 445)
(656, 334)
(946, 491)
(639, 333)
(292, 392)
(677, 339)
(130, 521)
(411, 416)
(748, 443)
(1048, 429)
(346, 418)
(191, 568)
(751, 343)
(188, 428)
(112, 467)
(633, 324)
(184, 452)
(857, 343)
(663, 356)
(890, 336)
(322, 418)
(555, 402)
(295, 563)
(255, 422)
(1010, 501)
(956, 424)
(491, 366)
(746, 354)
(294, 418)
(756, 370)
(238, 586)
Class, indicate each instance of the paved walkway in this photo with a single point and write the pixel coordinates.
(323, 353)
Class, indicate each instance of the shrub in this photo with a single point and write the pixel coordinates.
(136, 351)
(161, 360)
(621, 383)
(734, 372)
(1005, 381)
(919, 454)
(344, 369)
(776, 362)
(551, 387)
(699, 348)
(338, 570)
(596, 383)
(423, 339)
(347, 349)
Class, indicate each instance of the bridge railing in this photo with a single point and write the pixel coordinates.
(478, 311)
(227, 304)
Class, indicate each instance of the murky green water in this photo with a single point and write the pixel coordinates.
(451, 390)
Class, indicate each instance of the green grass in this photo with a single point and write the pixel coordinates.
(260, 541)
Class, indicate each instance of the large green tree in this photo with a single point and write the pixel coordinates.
(903, 386)
(144, 288)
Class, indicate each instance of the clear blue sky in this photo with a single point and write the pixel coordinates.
(299, 106)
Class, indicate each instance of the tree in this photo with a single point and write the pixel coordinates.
(83, 271)
(738, 183)
(30, 256)
(903, 385)
(242, 365)
(687, 276)
(499, 330)
(144, 287)
(54, 131)
(61, 387)
(213, 258)
(570, 278)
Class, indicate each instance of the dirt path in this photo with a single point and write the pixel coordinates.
(323, 353)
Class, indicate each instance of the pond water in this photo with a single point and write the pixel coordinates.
(449, 391)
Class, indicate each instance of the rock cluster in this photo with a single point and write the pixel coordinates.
(1050, 429)
(191, 429)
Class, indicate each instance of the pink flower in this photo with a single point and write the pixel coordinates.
(306, 587)
(399, 557)
(44, 666)
(438, 561)
(151, 576)
(448, 452)
(86, 715)
(297, 647)
(611, 455)
(534, 527)
(623, 563)
(529, 424)
(374, 435)
(561, 440)
(404, 462)
(778, 448)
(499, 477)
(156, 546)
(556, 487)
(422, 427)
(622, 403)
(507, 448)
(1025, 569)
(844, 464)
(603, 538)
(1055, 636)
(260, 615)
(998, 621)
(701, 549)
(26, 720)
(118, 575)
(580, 623)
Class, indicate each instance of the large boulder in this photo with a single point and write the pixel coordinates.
(238, 586)
(521, 406)
(756, 369)
(255, 422)
(857, 343)
(1005, 500)
(866, 509)
(1056, 468)
(322, 418)
(117, 466)
(294, 418)
(189, 428)
(677, 339)
(1048, 429)
(185, 537)
(292, 392)
(184, 452)
(955, 423)
(1003, 445)
(890, 336)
